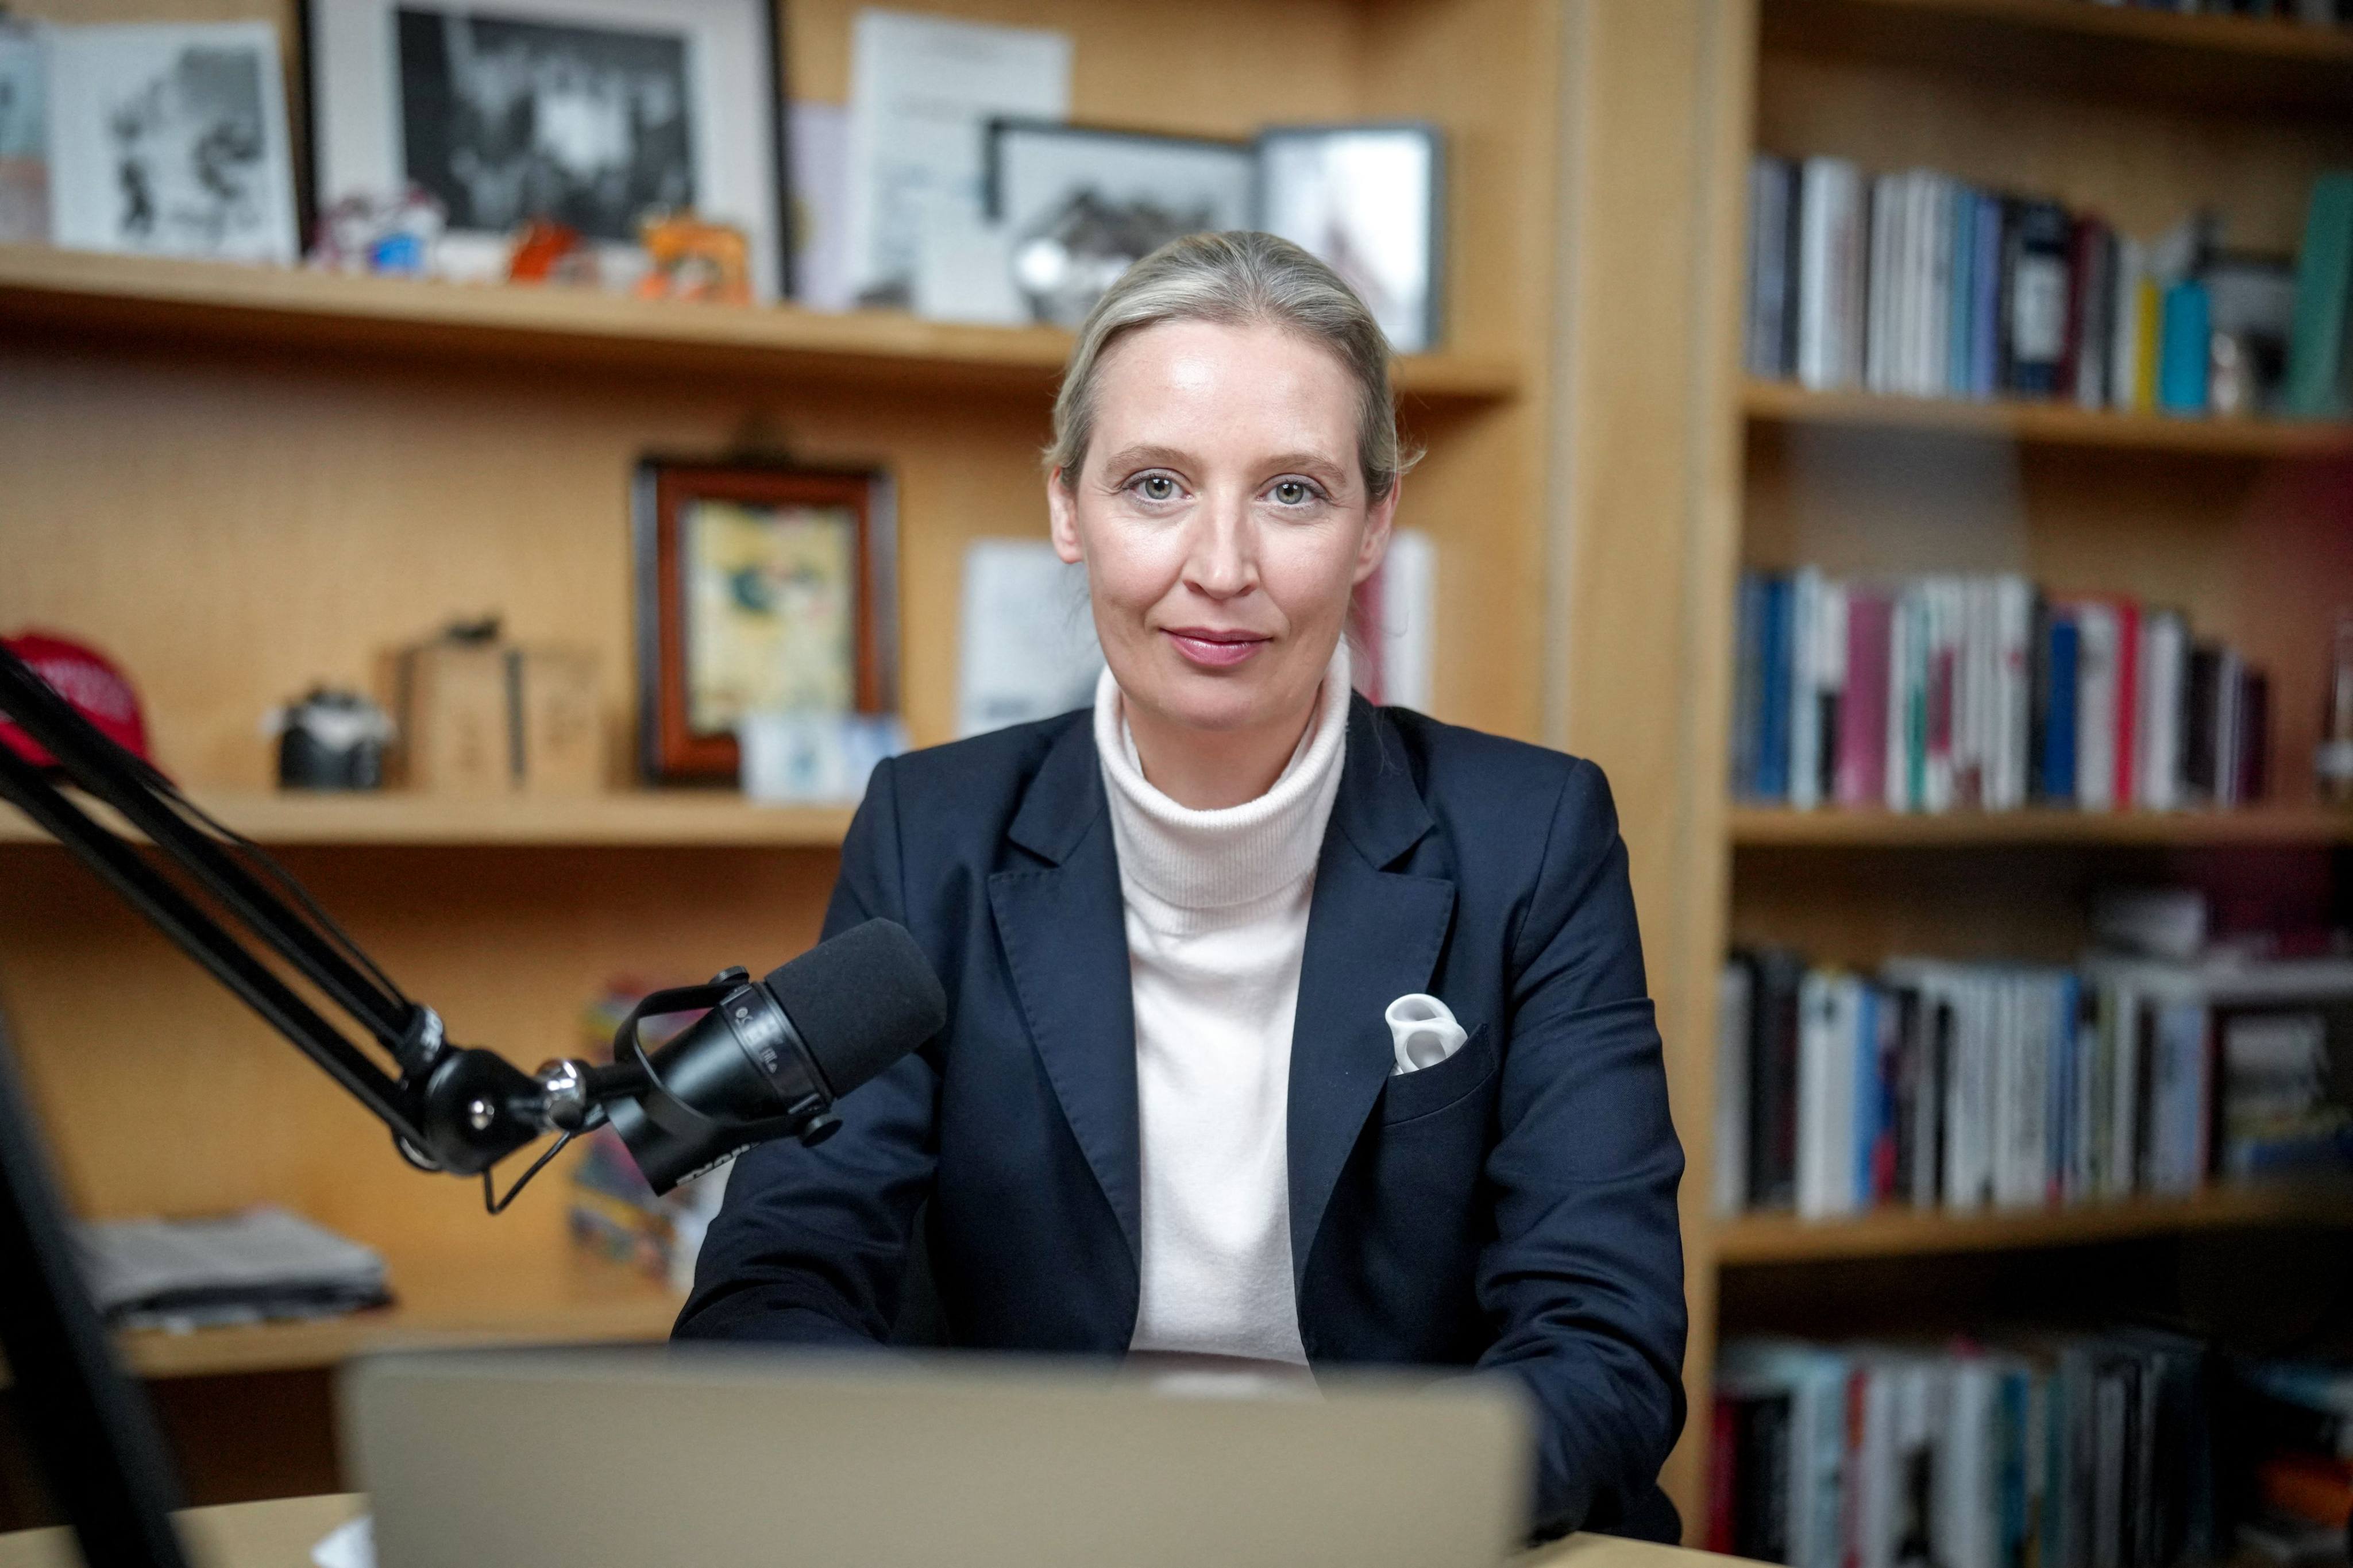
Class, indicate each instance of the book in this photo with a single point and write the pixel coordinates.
(2318, 371)
(2056, 692)
(1831, 274)
(1772, 191)
(2036, 293)
(2098, 675)
(1863, 702)
(1773, 1090)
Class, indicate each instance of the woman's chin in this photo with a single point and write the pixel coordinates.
(1216, 703)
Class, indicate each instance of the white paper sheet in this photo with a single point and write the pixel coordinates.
(1028, 647)
(922, 92)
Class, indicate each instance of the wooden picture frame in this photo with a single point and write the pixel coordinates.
(722, 548)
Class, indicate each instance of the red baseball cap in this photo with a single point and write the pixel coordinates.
(85, 677)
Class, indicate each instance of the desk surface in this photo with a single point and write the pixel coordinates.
(279, 1535)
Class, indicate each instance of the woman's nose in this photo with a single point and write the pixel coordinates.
(1223, 563)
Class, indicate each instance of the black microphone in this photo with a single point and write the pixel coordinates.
(771, 1056)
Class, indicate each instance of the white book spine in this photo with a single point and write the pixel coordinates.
(2164, 661)
(2014, 699)
(1879, 337)
(1815, 270)
(1847, 252)
(1816, 1084)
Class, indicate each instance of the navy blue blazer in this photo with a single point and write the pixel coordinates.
(1512, 1207)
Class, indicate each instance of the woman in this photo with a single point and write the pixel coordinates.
(1163, 1119)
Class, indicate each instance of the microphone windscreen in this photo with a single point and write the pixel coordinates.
(860, 1000)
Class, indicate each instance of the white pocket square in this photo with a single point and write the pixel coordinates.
(1424, 1032)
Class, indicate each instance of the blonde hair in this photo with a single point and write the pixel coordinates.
(1238, 279)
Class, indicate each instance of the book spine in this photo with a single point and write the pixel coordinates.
(1863, 702)
(1772, 781)
(2185, 350)
(1805, 709)
(2037, 287)
(2125, 748)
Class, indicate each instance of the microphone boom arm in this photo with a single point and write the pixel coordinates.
(449, 1107)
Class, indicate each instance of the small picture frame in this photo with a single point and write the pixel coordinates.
(1079, 204)
(170, 139)
(761, 588)
(591, 114)
(1370, 202)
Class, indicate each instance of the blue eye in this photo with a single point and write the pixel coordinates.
(1156, 487)
(1293, 492)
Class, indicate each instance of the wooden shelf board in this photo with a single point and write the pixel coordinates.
(2107, 51)
(1897, 1233)
(2047, 424)
(169, 302)
(1889, 829)
(391, 818)
(459, 1301)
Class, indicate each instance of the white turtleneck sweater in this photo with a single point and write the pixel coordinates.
(1216, 922)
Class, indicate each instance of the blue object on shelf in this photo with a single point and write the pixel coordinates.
(2185, 349)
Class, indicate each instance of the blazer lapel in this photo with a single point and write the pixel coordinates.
(1373, 935)
(1064, 929)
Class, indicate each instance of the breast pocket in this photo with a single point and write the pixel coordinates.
(1440, 1087)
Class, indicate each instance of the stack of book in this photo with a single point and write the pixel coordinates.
(2064, 1452)
(1950, 692)
(2294, 1424)
(1972, 1086)
(614, 1212)
(1917, 283)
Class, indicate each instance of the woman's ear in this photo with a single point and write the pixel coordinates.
(1375, 544)
(1062, 518)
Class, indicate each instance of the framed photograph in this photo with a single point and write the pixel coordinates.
(1079, 205)
(589, 112)
(170, 141)
(762, 589)
(1369, 201)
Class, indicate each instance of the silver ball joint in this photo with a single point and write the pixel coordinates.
(563, 1094)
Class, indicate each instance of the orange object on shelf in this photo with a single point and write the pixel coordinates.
(541, 248)
(693, 260)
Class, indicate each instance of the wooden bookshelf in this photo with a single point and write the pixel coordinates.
(2076, 45)
(1889, 829)
(129, 299)
(1781, 1238)
(642, 818)
(2245, 525)
(2049, 423)
(240, 482)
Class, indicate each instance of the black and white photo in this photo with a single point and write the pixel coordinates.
(590, 113)
(170, 141)
(1079, 205)
(506, 120)
(1368, 202)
